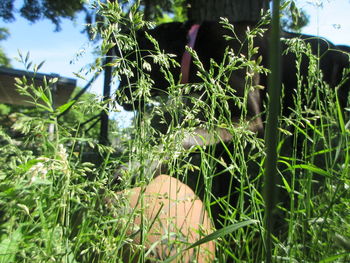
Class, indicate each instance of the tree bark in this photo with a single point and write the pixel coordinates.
(234, 10)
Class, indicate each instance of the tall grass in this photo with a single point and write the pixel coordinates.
(55, 207)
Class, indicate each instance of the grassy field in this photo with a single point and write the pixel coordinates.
(55, 206)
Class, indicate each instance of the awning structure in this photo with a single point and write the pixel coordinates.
(61, 91)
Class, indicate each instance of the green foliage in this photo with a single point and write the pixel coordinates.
(55, 10)
(294, 18)
(35, 10)
(56, 207)
(4, 33)
(159, 11)
(46, 190)
(221, 233)
(314, 172)
(4, 60)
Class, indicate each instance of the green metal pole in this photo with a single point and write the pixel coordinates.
(271, 132)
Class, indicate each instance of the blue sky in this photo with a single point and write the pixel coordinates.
(59, 49)
(329, 19)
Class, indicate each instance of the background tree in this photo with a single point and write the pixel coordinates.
(4, 60)
(153, 10)
(35, 10)
(55, 10)
(294, 18)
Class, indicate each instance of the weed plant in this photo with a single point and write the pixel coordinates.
(54, 207)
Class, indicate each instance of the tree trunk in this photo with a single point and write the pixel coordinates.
(234, 10)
